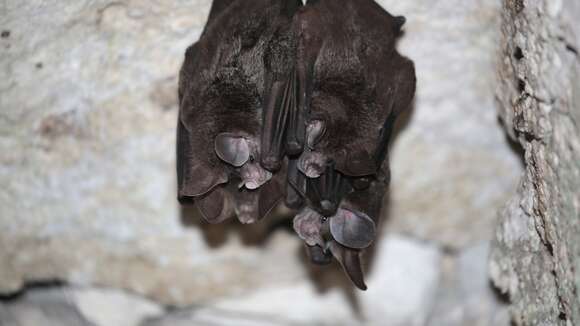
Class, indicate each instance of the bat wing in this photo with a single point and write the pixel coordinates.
(284, 125)
(280, 100)
(270, 195)
(194, 178)
(215, 207)
(349, 259)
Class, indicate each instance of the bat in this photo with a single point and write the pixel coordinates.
(222, 87)
(284, 101)
(356, 86)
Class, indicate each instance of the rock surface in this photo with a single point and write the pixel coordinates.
(87, 124)
(451, 166)
(537, 250)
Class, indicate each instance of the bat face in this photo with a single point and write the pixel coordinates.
(280, 100)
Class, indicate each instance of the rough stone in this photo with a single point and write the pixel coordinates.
(451, 166)
(111, 307)
(466, 295)
(87, 127)
(402, 288)
(45, 307)
(536, 252)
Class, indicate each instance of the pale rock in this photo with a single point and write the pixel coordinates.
(110, 307)
(403, 283)
(452, 167)
(51, 307)
(87, 132)
(465, 295)
(401, 292)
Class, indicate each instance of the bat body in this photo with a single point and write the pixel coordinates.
(284, 101)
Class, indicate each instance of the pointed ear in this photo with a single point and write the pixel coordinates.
(232, 149)
(352, 229)
(350, 261)
(398, 23)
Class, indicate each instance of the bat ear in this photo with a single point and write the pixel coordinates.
(215, 207)
(350, 261)
(352, 229)
(398, 23)
(232, 149)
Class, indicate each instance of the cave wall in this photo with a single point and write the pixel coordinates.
(87, 125)
(536, 252)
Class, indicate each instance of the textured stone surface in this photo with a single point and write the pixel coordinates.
(451, 166)
(52, 307)
(537, 252)
(87, 124)
(402, 289)
(466, 295)
(108, 307)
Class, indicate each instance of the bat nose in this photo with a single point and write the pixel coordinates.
(328, 208)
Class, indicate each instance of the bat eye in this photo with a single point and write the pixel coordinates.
(252, 159)
(232, 149)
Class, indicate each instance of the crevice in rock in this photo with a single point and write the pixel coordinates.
(31, 286)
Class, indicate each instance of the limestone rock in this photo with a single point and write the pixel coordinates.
(451, 166)
(44, 307)
(402, 288)
(465, 295)
(536, 252)
(109, 307)
(87, 128)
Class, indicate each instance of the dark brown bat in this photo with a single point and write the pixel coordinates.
(284, 100)
(357, 85)
(221, 93)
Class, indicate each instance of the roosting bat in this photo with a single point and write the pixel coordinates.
(284, 101)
